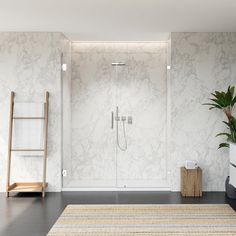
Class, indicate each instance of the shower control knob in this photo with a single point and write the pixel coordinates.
(123, 118)
(130, 120)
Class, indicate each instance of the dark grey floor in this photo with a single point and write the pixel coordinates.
(30, 215)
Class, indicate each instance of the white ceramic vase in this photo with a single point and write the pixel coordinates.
(232, 169)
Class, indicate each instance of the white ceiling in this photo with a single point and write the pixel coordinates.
(113, 20)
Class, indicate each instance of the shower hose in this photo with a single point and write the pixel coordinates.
(124, 135)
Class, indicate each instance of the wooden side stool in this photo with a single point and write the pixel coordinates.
(191, 182)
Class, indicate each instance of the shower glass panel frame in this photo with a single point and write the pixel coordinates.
(119, 116)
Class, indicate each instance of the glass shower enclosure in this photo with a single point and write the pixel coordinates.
(118, 117)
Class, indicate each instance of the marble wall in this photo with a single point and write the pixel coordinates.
(30, 65)
(201, 64)
(139, 90)
(170, 124)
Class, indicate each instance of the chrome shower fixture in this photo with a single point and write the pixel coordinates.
(118, 64)
(117, 119)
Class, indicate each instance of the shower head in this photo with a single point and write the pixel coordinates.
(118, 64)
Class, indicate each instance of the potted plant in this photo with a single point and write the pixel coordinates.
(225, 102)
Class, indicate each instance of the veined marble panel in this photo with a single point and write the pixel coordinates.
(30, 64)
(201, 64)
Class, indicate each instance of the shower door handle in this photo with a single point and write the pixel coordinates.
(112, 120)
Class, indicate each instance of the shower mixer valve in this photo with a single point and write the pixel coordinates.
(124, 118)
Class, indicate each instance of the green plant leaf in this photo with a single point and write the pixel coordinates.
(233, 101)
(213, 105)
(233, 123)
(223, 145)
(232, 91)
(226, 134)
(218, 102)
(226, 123)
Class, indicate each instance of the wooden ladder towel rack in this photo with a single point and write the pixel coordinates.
(27, 186)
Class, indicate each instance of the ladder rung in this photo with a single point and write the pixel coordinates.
(28, 118)
(26, 150)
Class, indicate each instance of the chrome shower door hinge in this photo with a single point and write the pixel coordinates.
(64, 173)
(64, 67)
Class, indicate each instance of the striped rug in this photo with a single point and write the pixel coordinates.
(146, 220)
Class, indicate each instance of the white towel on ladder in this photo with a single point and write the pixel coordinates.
(28, 133)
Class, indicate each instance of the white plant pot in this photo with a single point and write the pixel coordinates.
(232, 169)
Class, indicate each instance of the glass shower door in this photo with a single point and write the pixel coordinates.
(93, 150)
(141, 98)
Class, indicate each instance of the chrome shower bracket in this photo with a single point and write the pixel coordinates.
(123, 118)
(117, 118)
